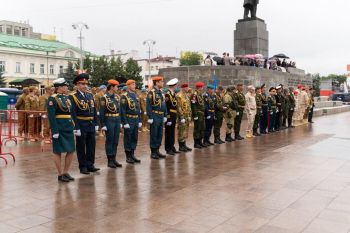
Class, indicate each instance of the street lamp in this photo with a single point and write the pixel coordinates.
(149, 43)
(80, 26)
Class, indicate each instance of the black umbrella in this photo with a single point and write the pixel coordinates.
(281, 55)
(217, 59)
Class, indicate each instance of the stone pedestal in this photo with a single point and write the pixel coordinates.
(251, 37)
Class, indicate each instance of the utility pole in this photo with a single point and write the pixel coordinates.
(80, 26)
(149, 43)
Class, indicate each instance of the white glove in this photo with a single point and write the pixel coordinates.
(183, 121)
(98, 113)
(44, 116)
(126, 126)
(224, 108)
(140, 124)
(104, 128)
(96, 128)
(121, 126)
(31, 115)
(169, 123)
(77, 133)
(208, 117)
(150, 121)
(237, 114)
(145, 113)
(56, 135)
(195, 118)
(165, 119)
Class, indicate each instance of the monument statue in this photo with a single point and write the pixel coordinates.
(250, 6)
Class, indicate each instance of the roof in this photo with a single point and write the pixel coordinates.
(161, 59)
(12, 41)
(22, 81)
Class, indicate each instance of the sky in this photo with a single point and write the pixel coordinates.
(314, 33)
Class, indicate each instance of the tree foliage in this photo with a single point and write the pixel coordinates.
(191, 59)
(69, 74)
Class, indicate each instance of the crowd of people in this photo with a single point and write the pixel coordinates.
(76, 117)
(254, 61)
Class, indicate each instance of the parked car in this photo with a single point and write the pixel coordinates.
(345, 97)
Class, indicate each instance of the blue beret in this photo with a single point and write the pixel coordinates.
(209, 86)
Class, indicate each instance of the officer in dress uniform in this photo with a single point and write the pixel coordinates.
(97, 97)
(110, 121)
(198, 108)
(171, 104)
(265, 111)
(85, 118)
(62, 126)
(143, 99)
(272, 103)
(258, 100)
(157, 116)
(31, 106)
(22, 118)
(131, 119)
(292, 105)
(184, 117)
(209, 113)
(43, 100)
(231, 105)
(220, 109)
(240, 98)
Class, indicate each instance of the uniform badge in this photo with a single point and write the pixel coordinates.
(50, 103)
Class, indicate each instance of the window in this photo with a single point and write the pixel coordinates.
(16, 31)
(61, 70)
(9, 30)
(18, 67)
(52, 69)
(0, 28)
(42, 69)
(2, 66)
(70, 54)
(32, 68)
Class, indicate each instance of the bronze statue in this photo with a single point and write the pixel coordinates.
(250, 6)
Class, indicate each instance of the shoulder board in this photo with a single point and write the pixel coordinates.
(54, 95)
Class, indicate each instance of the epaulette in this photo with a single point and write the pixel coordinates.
(73, 93)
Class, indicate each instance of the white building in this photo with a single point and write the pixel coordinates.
(23, 57)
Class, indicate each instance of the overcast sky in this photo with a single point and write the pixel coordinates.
(314, 33)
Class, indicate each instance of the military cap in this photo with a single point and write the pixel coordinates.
(102, 87)
(81, 77)
(199, 85)
(121, 85)
(184, 85)
(129, 82)
(59, 82)
(113, 82)
(210, 86)
(157, 78)
(172, 82)
(272, 88)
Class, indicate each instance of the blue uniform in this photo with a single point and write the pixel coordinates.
(130, 114)
(84, 116)
(209, 114)
(110, 118)
(156, 110)
(59, 114)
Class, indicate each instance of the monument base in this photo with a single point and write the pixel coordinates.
(251, 37)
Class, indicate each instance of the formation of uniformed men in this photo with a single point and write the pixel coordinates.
(119, 110)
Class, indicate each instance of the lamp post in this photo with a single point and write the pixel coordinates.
(80, 26)
(149, 43)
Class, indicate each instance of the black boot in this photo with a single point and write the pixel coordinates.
(154, 154)
(182, 147)
(129, 158)
(136, 160)
(111, 163)
(117, 164)
(188, 149)
(255, 133)
(203, 144)
(222, 142)
(228, 138)
(197, 144)
(217, 141)
(209, 142)
(170, 152)
(160, 155)
(175, 151)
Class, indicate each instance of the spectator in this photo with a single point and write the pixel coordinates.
(284, 63)
(208, 61)
(227, 60)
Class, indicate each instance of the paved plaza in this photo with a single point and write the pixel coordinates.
(293, 181)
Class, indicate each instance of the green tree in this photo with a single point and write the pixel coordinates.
(191, 59)
(133, 70)
(2, 79)
(316, 83)
(100, 71)
(117, 69)
(69, 74)
(337, 80)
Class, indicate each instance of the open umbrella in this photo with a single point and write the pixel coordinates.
(281, 55)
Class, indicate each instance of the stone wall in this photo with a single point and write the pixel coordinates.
(231, 75)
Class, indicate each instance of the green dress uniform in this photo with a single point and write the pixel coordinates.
(292, 104)
(198, 108)
(239, 96)
(259, 102)
(156, 111)
(110, 118)
(130, 115)
(273, 110)
(219, 118)
(59, 114)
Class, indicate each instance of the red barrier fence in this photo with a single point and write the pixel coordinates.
(23, 125)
